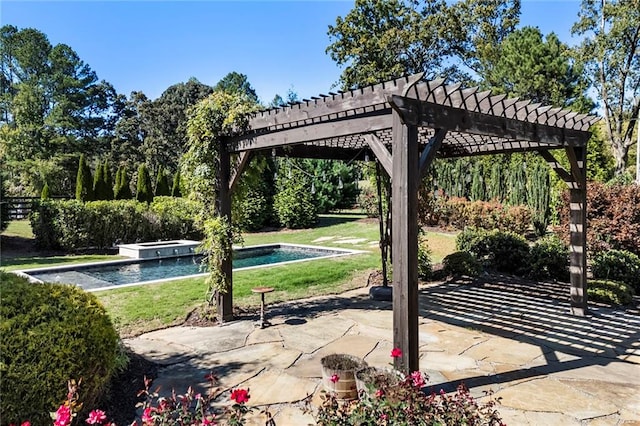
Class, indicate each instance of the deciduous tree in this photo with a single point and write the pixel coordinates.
(611, 52)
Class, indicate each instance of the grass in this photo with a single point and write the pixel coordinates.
(26, 262)
(18, 228)
(135, 310)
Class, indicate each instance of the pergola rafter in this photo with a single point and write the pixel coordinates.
(406, 123)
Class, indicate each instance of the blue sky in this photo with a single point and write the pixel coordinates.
(150, 45)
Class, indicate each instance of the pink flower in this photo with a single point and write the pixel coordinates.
(26, 423)
(396, 352)
(418, 379)
(63, 416)
(208, 421)
(384, 417)
(96, 417)
(379, 393)
(334, 378)
(240, 395)
(146, 415)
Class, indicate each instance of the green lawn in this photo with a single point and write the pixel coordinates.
(20, 230)
(143, 308)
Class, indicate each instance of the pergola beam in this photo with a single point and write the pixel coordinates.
(365, 123)
(428, 114)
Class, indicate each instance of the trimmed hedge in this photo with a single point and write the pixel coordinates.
(73, 225)
(502, 251)
(549, 259)
(461, 263)
(51, 333)
(459, 213)
(617, 265)
(609, 291)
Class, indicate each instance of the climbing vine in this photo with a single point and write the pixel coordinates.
(220, 114)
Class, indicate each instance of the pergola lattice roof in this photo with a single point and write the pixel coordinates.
(336, 125)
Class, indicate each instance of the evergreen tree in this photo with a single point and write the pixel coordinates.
(84, 181)
(517, 181)
(144, 191)
(162, 183)
(122, 191)
(108, 181)
(175, 189)
(44, 195)
(460, 175)
(538, 195)
(495, 190)
(477, 182)
(116, 186)
(98, 183)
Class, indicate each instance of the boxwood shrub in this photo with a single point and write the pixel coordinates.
(50, 333)
(502, 251)
(609, 291)
(617, 265)
(461, 263)
(549, 259)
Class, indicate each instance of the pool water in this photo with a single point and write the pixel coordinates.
(99, 276)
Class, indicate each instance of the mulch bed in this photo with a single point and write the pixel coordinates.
(120, 401)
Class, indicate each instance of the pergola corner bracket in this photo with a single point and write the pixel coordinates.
(244, 157)
(429, 152)
(381, 152)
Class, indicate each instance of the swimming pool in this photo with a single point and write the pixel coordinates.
(124, 273)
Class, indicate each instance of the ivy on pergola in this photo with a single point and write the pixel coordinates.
(406, 123)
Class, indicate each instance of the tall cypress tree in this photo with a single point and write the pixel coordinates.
(84, 181)
(477, 182)
(116, 186)
(517, 181)
(98, 183)
(144, 192)
(175, 189)
(108, 181)
(495, 190)
(538, 196)
(122, 191)
(162, 183)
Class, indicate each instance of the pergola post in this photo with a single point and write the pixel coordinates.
(224, 301)
(578, 231)
(577, 183)
(404, 239)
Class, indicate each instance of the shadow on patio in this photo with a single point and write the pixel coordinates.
(535, 314)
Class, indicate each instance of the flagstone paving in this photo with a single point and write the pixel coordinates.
(514, 339)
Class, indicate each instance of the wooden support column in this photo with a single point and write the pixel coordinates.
(404, 191)
(578, 232)
(225, 300)
(577, 183)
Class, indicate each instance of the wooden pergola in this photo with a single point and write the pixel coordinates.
(406, 123)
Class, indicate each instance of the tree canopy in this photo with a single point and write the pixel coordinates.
(611, 53)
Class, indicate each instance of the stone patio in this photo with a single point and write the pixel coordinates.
(515, 338)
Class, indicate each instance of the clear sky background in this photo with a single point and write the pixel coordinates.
(150, 45)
